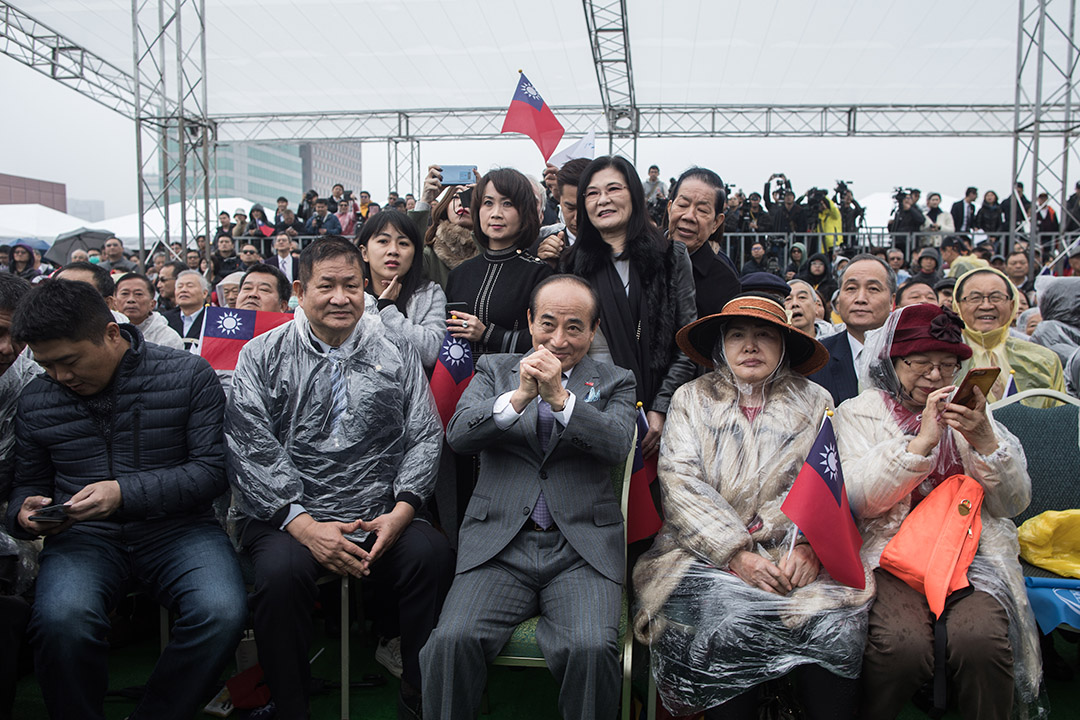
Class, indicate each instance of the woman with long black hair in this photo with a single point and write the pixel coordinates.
(407, 302)
(644, 281)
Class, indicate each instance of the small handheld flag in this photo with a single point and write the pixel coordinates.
(1010, 388)
(452, 374)
(530, 115)
(818, 504)
(642, 519)
(227, 330)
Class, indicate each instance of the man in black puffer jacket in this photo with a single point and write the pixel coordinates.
(127, 436)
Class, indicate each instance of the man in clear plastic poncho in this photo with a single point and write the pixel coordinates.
(334, 444)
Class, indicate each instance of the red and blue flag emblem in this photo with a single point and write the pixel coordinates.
(453, 371)
(227, 330)
(530, 115)
(818, 504)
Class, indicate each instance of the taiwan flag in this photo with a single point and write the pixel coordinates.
(227, 330)
(642, 520)
(1010, 388)
(453, 371)
(530, 115)
(818, 504)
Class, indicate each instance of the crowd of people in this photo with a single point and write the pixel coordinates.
(585, 299)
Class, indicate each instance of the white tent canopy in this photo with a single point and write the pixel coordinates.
(38, 221)
(126, 227)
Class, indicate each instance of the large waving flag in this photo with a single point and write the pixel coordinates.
(227, 330)
(530, 115)
(818, 504)
(642, 520)
(452, 374)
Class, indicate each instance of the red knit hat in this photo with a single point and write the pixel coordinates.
(927, 327)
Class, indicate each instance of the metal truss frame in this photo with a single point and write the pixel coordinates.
(655, 121)
(609, 36)
(173, 132)
(1046, 104)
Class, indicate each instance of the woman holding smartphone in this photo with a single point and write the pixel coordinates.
(898, 440)
(408, 304)
(496, 285)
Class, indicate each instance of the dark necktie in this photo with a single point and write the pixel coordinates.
(545, 423)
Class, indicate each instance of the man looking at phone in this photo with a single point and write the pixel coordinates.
(125, 436)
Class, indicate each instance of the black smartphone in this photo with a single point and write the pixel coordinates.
(456, 307)
(465, 196)
(52, 514)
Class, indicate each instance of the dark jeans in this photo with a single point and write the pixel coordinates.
(415, 572)
(190, 568)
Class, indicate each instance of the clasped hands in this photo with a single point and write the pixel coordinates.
(540, 374)
(339, 554)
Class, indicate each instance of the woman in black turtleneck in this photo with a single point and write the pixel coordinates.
(496, 285)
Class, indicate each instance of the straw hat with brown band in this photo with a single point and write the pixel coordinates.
(805, 354)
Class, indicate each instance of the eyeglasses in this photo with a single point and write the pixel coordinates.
(923, 367)
(247, 252)
(997, 298)
(613, 189)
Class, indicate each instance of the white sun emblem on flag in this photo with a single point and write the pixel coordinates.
(454, 353)
(530, 91)
(829, 461)
(229, 323)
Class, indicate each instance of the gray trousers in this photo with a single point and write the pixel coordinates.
(537, 573)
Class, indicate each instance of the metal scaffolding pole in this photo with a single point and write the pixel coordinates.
(609, 36)
(174, 132)
(1045, 94)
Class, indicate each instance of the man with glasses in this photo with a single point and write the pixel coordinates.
(864, 303)
(249, 257)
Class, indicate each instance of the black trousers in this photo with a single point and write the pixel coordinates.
(823, 695)
(415, 572)
(15, 614)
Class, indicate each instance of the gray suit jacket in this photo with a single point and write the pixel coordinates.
(574, 473)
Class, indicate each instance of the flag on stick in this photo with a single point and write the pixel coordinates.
(530, 115)
(1010, 387)
(226, 331)
(642, 519)
(818, 504)
(452, 374)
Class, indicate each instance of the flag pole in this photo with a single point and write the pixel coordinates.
(795, 535)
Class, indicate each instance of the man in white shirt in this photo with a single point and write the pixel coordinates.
(283, 259)
(864, 303)
(186, 318)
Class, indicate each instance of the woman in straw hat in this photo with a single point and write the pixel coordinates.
(725, 601)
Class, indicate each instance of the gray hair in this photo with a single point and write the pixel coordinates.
(890, 274)
(202, 278)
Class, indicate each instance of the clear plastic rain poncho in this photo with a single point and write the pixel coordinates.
(1031, 365)
(873, 431)
(724, 477)
(344, 434)
(1059, 304)
(18, 558)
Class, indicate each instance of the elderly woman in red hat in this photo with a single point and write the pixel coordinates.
(899, 439)
(725, 601)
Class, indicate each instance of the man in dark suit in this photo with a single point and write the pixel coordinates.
(283, 260)
(864, 303)
(543, 533)
(963, 211)
(190, 291)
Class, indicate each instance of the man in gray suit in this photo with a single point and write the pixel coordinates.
(543, 533)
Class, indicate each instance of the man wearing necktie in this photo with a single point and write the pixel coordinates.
(543, 533)
(963, 211)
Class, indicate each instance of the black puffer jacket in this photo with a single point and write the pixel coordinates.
(162, 441)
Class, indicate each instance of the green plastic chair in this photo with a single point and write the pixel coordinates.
(521, 649)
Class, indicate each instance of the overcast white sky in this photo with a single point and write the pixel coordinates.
(265, 55)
